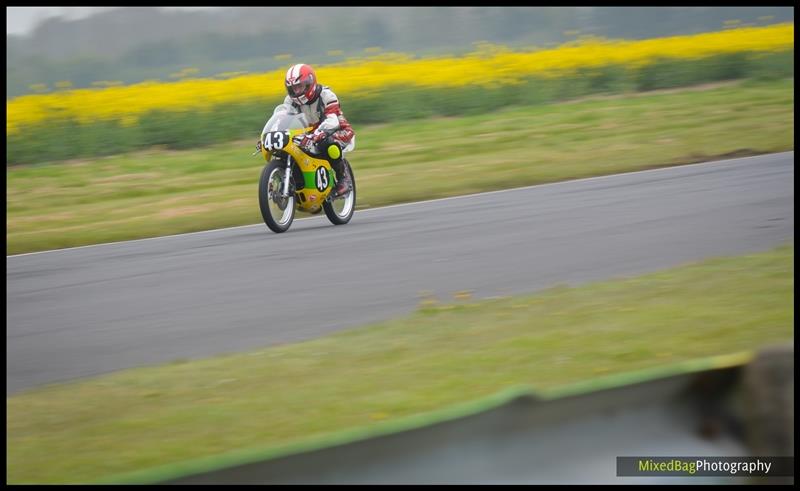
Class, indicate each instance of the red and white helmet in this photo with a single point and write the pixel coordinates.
(301, 83)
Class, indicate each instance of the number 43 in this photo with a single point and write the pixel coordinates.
(275, 140)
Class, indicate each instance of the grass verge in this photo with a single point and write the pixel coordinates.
(443, 354)
(160, 192)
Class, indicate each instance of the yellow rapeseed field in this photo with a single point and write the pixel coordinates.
(489, 65)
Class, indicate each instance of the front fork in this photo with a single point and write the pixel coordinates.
(288, 175)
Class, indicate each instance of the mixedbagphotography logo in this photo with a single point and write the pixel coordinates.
(706, 466)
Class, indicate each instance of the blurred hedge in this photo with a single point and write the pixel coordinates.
(67, 139)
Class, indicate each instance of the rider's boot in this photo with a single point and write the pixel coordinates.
(343, 181)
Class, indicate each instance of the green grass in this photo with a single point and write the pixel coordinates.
(444, 354)
(160, 192)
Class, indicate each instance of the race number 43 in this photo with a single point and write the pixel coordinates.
(275, 140)
(322, 179)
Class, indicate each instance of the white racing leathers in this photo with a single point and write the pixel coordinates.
(325, 115)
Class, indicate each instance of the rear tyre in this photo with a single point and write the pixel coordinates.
(341, 209)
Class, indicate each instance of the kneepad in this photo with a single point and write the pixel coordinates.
(333, 152)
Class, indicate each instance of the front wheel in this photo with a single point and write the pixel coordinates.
(277, 211)
(341, 209)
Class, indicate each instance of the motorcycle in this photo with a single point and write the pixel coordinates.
(297, 178)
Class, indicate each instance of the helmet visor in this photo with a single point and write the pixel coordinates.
(298, 89)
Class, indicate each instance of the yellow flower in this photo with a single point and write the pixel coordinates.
(487, 65)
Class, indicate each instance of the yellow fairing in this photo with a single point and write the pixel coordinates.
(317, 175)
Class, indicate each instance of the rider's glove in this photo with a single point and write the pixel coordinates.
(311, 139)
(258, 146)
(306, 141)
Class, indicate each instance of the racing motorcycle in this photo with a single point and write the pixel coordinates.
(296, 177)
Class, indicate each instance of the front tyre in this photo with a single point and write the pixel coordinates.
(277, 211)
(341, 209)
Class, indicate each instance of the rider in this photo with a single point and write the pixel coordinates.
(331, 133)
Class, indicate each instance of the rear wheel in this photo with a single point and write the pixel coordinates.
(277, 211)
(341, 209)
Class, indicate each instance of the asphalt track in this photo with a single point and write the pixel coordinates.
(81, 312)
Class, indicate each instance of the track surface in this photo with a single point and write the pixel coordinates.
(81, 312)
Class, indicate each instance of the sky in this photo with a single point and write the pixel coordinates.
(22, 20)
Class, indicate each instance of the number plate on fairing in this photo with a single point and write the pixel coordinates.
(321, 178)
(276, 140)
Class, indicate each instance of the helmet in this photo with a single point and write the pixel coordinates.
(301, 84)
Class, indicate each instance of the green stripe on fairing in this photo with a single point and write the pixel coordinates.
(311, 179)
(253, 455)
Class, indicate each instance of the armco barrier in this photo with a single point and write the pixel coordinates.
(571, 435)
